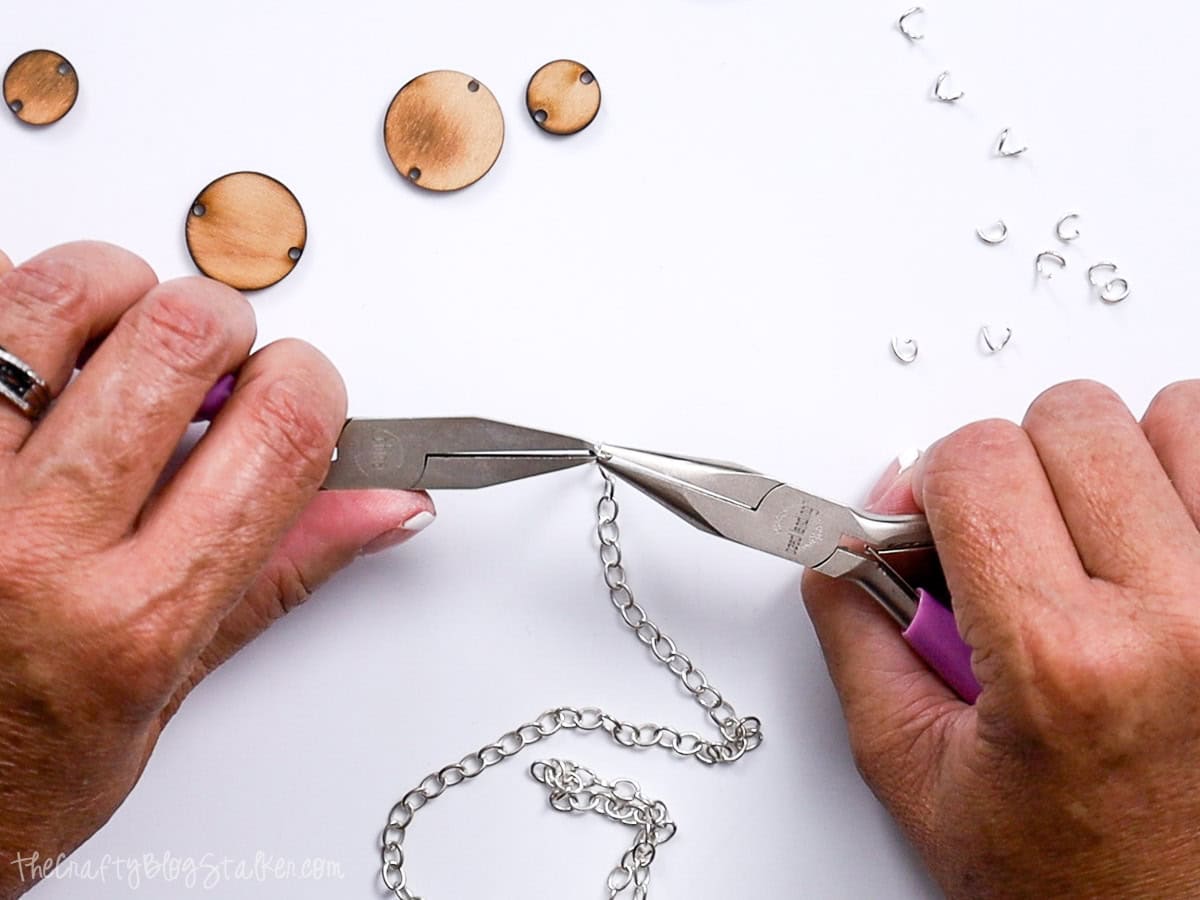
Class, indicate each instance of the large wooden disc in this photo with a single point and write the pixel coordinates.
(247, 230)
(40, 87)
(563, 97)
(444, 131)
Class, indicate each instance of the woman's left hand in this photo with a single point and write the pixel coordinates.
(119, 593)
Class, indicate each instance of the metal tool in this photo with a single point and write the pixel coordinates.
(432, 454)
(473, 453)
(748, 508)
(724, 499)
(727, 500)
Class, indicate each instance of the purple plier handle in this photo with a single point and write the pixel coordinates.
(218, 395)
(933, 634)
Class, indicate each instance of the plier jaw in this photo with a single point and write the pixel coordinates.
(743, 506)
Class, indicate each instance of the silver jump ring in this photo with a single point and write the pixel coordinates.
(995, 340)
(941, 92)
(994, 234)
(905, 350)
(1100, 267)
(1049, 256)
(1003, 147)
(1116, 291)
(906, 29)
(22, 386)
(1066, 229)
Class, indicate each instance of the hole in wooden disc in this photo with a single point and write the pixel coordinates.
(541, 116)
(414, 174)
(16, 106)
(587, 77)
(64, 68)
(472, 86)
(294, 253)
(199, 209)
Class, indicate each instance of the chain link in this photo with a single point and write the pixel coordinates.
(573, 788)
(576, 789)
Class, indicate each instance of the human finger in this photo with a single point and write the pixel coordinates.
(104, 445)
(220, 517)
(54, 304)
(1172, 426)
(1006, 553)
(896, 708)
(1110, 486)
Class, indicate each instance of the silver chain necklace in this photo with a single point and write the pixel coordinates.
(573, 788)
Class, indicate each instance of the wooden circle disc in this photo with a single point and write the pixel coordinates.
(563, 97)
(444, 131)
(40, 87)
(247, 230)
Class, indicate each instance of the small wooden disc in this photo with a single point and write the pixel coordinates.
(444, 131)
(40, 87)
(247, 230)
(563, 97)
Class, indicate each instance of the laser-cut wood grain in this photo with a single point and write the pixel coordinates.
(40, 87)
(563, 97)
(444, 131)
(247, 230)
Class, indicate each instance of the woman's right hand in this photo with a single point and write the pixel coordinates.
(1071, 549)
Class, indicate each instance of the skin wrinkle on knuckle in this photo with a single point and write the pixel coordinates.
(183, 332)
(956, 465)
(42, 286)
(293, 429)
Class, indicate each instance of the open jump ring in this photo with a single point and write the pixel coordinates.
(22, 386)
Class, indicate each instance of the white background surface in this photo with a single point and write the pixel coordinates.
(715, 267)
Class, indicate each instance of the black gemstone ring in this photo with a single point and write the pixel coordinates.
(22, 386)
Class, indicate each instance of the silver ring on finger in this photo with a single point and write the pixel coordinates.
(22, 386)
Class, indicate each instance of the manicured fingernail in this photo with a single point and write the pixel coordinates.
(217, 396)
(420, 521)
(397, 536)
(901, 464)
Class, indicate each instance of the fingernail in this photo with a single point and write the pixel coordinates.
(901, 464)
(396, 536)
